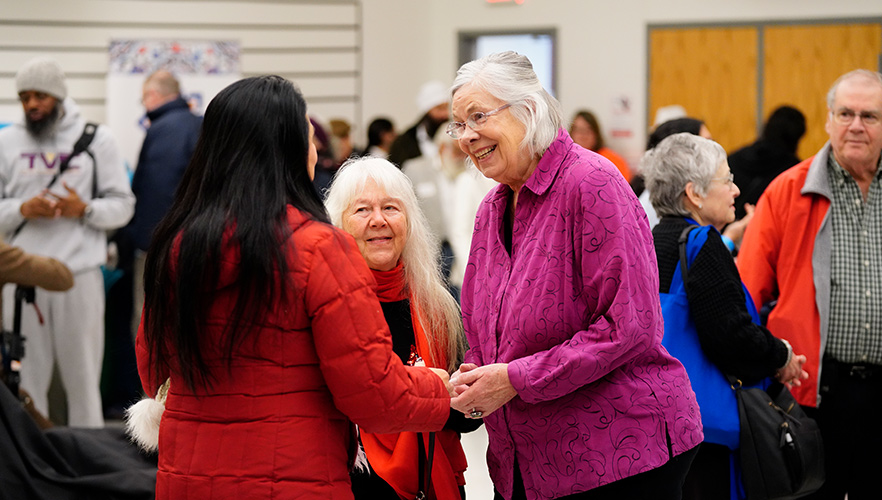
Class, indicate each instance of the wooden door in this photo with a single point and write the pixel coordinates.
(801, 62)
(712, 72)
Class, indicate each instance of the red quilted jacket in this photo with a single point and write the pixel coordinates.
(278, 425)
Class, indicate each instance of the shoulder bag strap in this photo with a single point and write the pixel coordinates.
(425, 466)
(683, 241)
(734, 382)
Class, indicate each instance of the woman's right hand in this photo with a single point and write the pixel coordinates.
(792, 373)
(445, 377)
(735, 230)
(454, 379)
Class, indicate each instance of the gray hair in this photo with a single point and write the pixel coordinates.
(676, 161)
(509, 77)
(439, 313)
(164, 83)
(858, 73)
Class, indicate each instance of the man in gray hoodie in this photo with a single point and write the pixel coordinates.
(66, 218)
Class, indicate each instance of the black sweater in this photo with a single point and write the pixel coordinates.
(726, 331)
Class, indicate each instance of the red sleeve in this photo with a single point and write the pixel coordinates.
(149, 383)
(367, 381)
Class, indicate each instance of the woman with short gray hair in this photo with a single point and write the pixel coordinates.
(565, 363)
(681, 161)
(693, 191)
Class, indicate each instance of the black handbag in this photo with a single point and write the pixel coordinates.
(782, 454)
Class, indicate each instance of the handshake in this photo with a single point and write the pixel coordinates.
(478, 391)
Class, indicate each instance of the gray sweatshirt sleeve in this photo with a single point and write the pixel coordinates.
(10, 206)
(113, 204)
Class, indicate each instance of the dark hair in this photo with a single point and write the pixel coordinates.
(250, 163)
(592, 122)
(671, 127)
(785, 127)
(376, 130)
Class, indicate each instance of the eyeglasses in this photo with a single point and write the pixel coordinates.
(728, 180)
(475, 121)
(846, 116)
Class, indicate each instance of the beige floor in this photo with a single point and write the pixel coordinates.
(478, 485)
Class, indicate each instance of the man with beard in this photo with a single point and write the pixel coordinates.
(66, 220)
(416, 154)
(433, 102)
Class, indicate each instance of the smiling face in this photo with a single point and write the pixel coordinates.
(718, 206)
(856, 145)
(496, 148)
(583, 134)
(379, 225)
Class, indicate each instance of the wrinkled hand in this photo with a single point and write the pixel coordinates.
(487, 388)
(792, 373)
(71, 205)
(39, 206)
(442, 374)
(454, 379)
(735, 230)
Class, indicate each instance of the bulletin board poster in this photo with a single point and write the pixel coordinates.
(203, 69)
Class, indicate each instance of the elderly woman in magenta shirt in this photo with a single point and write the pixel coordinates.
(561, 310)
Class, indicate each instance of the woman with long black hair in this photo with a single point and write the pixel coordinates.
(264, 318)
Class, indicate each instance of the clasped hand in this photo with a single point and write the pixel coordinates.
(50, 205)
(792, 373)
(481, 389)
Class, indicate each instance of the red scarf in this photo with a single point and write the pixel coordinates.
(394, 456)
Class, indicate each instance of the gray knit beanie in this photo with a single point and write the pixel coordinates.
(42, 74)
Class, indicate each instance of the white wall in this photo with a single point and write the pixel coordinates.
(601, 44)
(314, 43)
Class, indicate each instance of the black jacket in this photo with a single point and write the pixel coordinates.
(164, 156)
(407, 145)
(725, 329)
(65, 463)
(754, 167)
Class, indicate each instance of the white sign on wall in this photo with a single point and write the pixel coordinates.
(203, 69)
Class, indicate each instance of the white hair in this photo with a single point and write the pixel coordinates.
(676, 161)
(439, 313)
(509, 77)
(872, 76)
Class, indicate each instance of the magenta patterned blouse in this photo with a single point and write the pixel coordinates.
(575, 312)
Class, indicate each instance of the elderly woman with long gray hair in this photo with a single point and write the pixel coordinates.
(561, 308)
(374, 201)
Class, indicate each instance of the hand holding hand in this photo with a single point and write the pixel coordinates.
(442, 374)
(455, 378)
(39, 206)
(71, 205)
(488, 389)
(735, 230)
(792, 373)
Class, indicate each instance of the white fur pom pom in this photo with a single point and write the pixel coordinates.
(142, 423)
(143, 418)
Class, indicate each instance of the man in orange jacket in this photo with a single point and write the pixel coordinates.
(815, 246)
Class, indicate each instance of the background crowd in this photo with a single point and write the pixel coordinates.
(496, 263)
